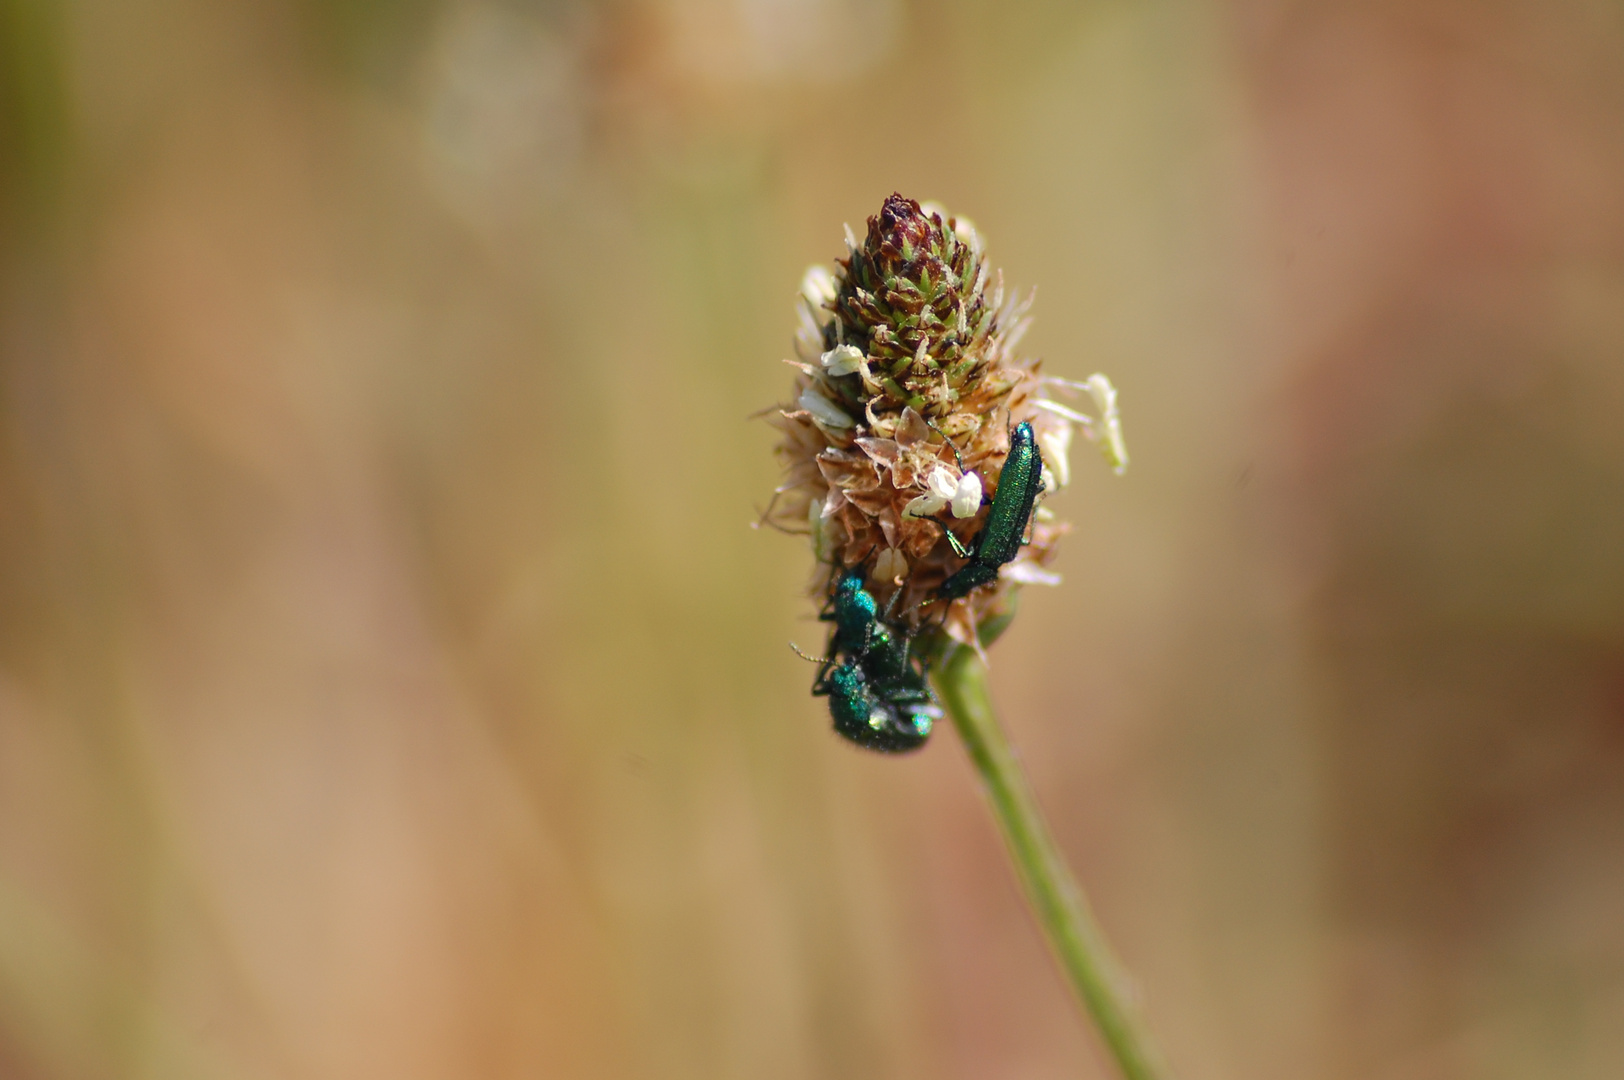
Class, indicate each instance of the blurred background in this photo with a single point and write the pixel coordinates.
(391, 684)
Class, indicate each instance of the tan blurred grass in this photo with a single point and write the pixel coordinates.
(390, 684)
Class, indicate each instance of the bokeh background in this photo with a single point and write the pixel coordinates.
(391, 684)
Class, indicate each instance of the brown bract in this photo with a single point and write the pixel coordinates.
(909, 343)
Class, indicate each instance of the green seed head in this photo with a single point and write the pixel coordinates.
(913, 299)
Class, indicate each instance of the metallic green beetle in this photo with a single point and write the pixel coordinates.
(1003, 534)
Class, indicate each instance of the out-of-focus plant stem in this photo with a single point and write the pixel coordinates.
(1057, 901)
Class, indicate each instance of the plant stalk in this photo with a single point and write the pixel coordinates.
(1059, 904)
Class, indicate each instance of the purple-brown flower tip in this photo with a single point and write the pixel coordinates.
(901, 235)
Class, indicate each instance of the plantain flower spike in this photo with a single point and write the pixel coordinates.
(907, 386)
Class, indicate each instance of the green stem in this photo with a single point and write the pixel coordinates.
(1059, 904)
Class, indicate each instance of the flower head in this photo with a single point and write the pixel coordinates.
(907, 388)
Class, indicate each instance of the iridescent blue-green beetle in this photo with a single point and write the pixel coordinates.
(891, 720)
(861, 631)
(879, 695)
(1003, 534)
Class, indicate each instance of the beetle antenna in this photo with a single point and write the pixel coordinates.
(891, 604)
(953, 541)
(803, 656)
(950, 444)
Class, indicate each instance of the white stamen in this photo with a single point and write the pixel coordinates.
(1055, 442)
(942, 483)
(843, 360)
(818, 290)
(942, 487)
(967, 496)
(891, 564)
(1104, 395)
(923, 506)
(1083, 420)
(1026, 572)
(814, 521)
(1105, 430)
(967, 234)
(824, 410)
